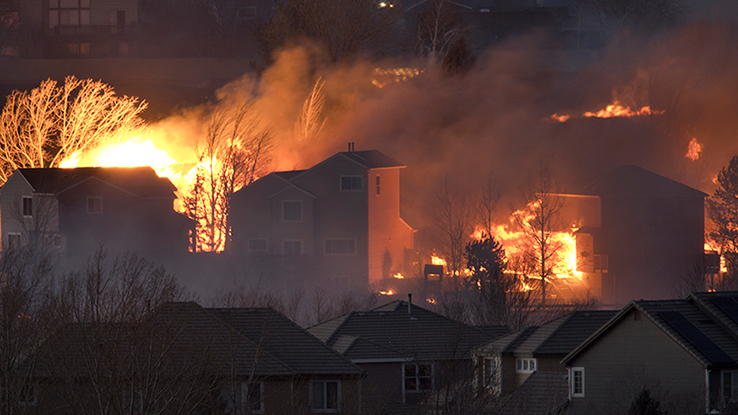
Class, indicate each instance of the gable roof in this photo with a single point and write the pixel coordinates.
(695, 323)
(390, 333)
(372, 159)
(556, 337)
(140, 181)
(634, 181)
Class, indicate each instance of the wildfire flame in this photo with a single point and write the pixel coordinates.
(436, 260)
(387, 76)
(388, 292)
(694, 149)
(399, 276)
(614, 110)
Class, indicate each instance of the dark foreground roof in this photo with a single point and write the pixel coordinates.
(389, 332)
(543, 393)
(141, 181)
(634, 181)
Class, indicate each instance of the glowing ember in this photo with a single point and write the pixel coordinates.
(399, 276)
(694, 150)
(386, 76)
(431, 300)
(436, 260)
(388, 292)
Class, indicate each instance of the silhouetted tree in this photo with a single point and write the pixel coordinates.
(459, 58)
(722, 209)
(645, 404)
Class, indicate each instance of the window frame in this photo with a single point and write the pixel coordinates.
(350, 243)
(239, 402)
(324, 408)
(524, 364)
(57, 8)
(27, 208)
(92, 211)
(417, 377)
(14, 240)
(573, 382)
(284, 210)
(377, 183)
(493, 380)
(351, 184)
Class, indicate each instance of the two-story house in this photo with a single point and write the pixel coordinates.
(335, 223)
(411, 355)
(683, 352)
(75, 211)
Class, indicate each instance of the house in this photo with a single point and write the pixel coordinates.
(186, 358)
(524, 367)
(73, 212)
(408, 352)
(684, 352)
(337, 223)
(71, 28)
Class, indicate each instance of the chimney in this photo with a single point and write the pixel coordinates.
(351, 147)
(410, 304)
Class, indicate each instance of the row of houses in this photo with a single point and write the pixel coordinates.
(397, 358)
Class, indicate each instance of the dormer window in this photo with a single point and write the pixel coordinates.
(525, 365)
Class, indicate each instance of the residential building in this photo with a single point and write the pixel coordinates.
(337, 223)
(408, 353)
(684, 352)
(524, 367)
(186, 358)
(72, 212)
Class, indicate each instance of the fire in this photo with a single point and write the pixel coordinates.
(614, 110)
(388, 292)
(399, 276)
(386, 76)
(694, 149)
(436, 260)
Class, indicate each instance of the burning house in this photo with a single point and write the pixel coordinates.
(337, 223)
(74, 211)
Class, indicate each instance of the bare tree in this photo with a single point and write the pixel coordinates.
(439, 28)
(234, 153)
(51, 123)
(539, 221)
(489, 198)
(310, 122)
(451, 214)
(341, 28)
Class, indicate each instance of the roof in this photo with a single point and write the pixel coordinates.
(140, 181)
(390, 333)
(634, 181)
(372, 159)
(240, 341)
(556, 337)
(541, 393)
(701, 324)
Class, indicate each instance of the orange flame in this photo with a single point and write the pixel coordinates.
(388, 292)
(387, 76)
(399, 276)
(614, 110)
(436, 260)
(694, 149)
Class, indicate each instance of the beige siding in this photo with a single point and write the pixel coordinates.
(633, 355)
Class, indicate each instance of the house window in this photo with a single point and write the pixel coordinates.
(291, 251)
(53, 240)
(525, 365)
(351, 183)
(577, 382)
(27, 396)
(491, 374)
(69, 13)
(14, 240)
(377, 185)
(292, 211)
(417, 377)
(27, 206)
(325, 395)
(257, 245)
(730, 386)
(340, 246)
(94, 205)
(245, 399)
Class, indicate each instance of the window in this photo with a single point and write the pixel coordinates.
(491, 375)
(417, 377)
(94, 205)
(257, 245)
(291, 251)
(245, 399)
(14, 240)
(377, 185)
(525, 365)
(351, 183)
(577, 382)
(600, 263)
(69, 13)
(27, 206)
(730, 386)
(53, 240)
(325, 395)
(340, 246)
(292, 211)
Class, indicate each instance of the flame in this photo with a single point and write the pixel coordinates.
(431, 300)
(436, 260)
(694, 149)
(399, 276)
(614, 110)
(386, 76)
(388, 292)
